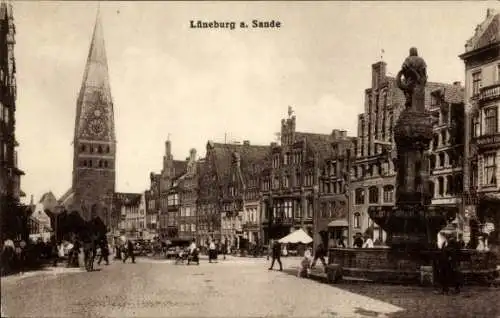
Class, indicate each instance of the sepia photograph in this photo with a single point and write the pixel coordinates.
(250, 159)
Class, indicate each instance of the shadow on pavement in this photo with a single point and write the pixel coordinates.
(418, 301)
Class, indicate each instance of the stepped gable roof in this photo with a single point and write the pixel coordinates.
(127, 199)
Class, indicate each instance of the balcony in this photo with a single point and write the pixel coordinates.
(489, 92)
(487, 141)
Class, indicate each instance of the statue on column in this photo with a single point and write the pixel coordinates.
(413, 74)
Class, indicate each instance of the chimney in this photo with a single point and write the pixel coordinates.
(343, 134)
(32, 201)
(246, 142)
(458, 83)
(274, 144)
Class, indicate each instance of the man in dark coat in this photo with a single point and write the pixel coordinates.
(130, 251)
(449, 263)
(276, 255)
(103, 244)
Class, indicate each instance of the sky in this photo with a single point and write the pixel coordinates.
(194, 85)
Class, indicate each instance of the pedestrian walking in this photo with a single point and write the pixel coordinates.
(129, 252)
(104, 252)
(224, 249)
(211, 251)
(320, 254)
(276, 255)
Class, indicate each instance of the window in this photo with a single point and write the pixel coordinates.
(373, 195)
(490, 120)
(82, 148)
(440, 186)
(173, 199)
(298, 210)
(99, 149)
(388, 193)
(309, 209)
(490, 169)
(359, 196)
(357, 220)
(276, 161)
(297, 178)
(449, 185)
(6, 115)
(498, 73)
(288, 208)
(476, 130)
(276, 183)
(308, 180)
(476, 83)
(286, 181)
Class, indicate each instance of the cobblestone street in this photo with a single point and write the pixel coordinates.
(231, 288)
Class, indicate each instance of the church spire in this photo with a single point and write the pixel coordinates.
(95, 88)
(96, 69)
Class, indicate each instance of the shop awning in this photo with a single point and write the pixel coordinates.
(338, 223)
(298, 236)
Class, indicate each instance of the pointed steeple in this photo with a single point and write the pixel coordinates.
(95, 89)
(96, 70)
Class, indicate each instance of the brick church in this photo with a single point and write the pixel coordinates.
(94, 144)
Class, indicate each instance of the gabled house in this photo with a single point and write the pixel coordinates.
(290, 186)
(224, 177)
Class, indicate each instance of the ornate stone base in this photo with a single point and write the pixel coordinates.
(391, 266)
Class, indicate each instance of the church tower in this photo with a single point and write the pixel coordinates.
(94, 140)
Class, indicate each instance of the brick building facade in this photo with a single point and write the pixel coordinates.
(331, 219)
(291, 183)
(187, 185)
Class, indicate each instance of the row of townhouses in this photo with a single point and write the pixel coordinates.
(324, 183)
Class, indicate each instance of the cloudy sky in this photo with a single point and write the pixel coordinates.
(198, 84)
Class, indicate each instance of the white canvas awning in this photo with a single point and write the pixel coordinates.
(298, 236)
